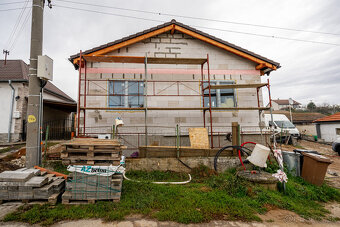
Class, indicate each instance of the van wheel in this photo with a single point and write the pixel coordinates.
(337, 149)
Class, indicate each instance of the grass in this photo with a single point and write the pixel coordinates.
(208, 197)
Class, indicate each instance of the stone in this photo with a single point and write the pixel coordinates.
(37, 181)
(13, 176)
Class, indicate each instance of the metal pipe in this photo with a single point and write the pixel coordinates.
(84, 111)
(79, 87)
(210, 111)
(202, 85)
(11, 112)
(40, 118)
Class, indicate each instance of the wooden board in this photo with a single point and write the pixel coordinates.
(199, 138)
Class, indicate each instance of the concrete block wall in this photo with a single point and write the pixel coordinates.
(179, 46)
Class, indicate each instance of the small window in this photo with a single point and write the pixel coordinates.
(136, 92)
(213, 95)
(337, 131)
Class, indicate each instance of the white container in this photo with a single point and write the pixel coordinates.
(259, 155)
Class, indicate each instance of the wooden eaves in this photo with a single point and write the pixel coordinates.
(262, 65)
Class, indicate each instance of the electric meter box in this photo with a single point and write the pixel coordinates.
(45, 67)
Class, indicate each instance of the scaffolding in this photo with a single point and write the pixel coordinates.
(82, 107)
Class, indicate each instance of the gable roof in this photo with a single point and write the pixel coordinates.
(331, 118)
(17, 71)
(173, 25)
(285, 102)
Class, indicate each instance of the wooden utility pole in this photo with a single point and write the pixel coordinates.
(32, 139)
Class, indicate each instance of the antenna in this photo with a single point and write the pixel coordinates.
(6, 52)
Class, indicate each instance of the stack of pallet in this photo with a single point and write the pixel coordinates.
(83, 188)
(89, 151)
(30, 185)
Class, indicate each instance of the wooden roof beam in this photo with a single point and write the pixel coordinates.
(225, 47)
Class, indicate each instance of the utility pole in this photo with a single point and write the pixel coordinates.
(6, 52)
(32, 139)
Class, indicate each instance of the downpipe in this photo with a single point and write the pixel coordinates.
(11, 112)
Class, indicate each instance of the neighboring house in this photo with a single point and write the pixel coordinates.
(328, 128)
(302, 121)
(116, 89)
(280, 104)
(57, 105)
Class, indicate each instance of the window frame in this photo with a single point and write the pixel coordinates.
(125, 94)
(217, 92)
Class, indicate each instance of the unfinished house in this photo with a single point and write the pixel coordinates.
(166, 76)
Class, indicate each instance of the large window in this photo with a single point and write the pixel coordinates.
(126, 94)
(219, 97)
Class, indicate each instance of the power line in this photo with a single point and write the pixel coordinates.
(10, 3)
(225, 30)
(17, 24)
(204, 19)
(21, 28)
(3, 10)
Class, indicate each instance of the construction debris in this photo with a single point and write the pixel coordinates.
(30, 185)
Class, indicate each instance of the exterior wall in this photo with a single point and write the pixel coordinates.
(232, 68)
(20, 106)
(307, 129)
(328, 131)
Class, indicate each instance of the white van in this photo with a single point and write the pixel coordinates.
(281, 124)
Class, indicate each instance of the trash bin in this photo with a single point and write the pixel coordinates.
(292, 160)
(301, 157)
(314, 168)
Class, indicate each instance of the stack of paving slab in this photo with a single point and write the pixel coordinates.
(30, 185)
(83, 188)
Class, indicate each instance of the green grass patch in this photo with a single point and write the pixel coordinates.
(209, 196)
(56, 166)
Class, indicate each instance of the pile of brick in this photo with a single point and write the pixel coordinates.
(30, 185)
(83, 188)
(90, 151)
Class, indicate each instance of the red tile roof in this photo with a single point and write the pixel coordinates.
(303, 117)
(285, 102)
(331, 118)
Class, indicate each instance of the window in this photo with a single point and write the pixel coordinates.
(219, 97)
(126, 94)
(337, 131)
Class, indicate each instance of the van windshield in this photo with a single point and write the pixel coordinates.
(284, 124)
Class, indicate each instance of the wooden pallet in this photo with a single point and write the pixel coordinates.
(88, 151)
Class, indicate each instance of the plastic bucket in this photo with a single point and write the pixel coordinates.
(259, 155)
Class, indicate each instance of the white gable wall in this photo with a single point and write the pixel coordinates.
(180, 46)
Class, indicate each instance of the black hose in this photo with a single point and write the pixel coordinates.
(226, 147)
(184, 163)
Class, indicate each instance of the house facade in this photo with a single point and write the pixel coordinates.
(57, 104)
(281, 104)
(328, 128)
(114, 89)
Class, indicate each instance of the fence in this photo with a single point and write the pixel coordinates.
(59, 129)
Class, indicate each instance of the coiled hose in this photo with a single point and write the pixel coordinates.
(239, 148)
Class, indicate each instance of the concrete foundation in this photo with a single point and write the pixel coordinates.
(172, 164)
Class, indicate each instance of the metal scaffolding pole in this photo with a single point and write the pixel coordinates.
(146, 98)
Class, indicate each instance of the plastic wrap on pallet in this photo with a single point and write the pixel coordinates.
(97, 170)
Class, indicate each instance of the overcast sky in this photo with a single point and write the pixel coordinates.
(309, 71)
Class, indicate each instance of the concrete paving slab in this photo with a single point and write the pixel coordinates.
(37, 181)
(13, 176)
